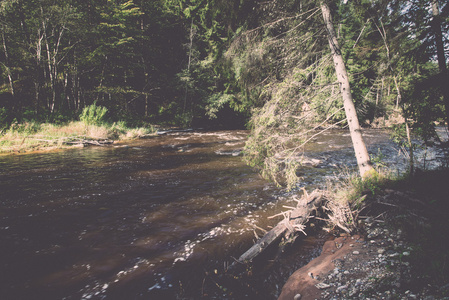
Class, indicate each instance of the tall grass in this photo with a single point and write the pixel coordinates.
(35, 136)
(347, 196)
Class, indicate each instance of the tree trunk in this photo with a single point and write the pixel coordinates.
(6, 64)
(192, 34)
(444, 77)
(361, 153)
(147, 102)
(39, 79)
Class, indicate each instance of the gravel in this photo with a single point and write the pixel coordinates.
(380, 270)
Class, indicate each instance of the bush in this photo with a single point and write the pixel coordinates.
(3, 118)
(93, 114)
(25, 128)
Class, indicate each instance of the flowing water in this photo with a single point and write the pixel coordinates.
(158, 218)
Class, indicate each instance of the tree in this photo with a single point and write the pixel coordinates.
(179, 61)
(299, 91)
(361, 153)
(444, 75)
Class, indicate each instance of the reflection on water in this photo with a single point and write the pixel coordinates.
(155, 219)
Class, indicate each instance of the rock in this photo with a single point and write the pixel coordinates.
(444, 288)
(380, 251)
(341, 289)
(356, 252)
(353, 292)
(339, 263)
(297, 297)
(236, 152)
(310, 162)
(322, 286)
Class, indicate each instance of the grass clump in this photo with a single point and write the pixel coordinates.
(29, 136)
(349, 195)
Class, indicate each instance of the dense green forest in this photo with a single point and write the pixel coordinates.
(265, 64)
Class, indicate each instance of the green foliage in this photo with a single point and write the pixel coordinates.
(216, 102)
(297, 98)
(24, 128)
(353, 187)
(93, 114)
(398, 134)
(3, 118)
(171, 60)
(378, 159)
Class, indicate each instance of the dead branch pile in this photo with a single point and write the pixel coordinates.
(342, 214)
(294, 221)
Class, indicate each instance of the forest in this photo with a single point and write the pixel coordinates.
(222, 63)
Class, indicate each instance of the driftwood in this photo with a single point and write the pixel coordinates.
(89, 142)
(294, 220)
(163, 132)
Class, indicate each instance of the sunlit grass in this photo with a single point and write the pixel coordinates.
(347, 196)
(31, 136)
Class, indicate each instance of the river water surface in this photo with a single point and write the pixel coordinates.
(158, 218)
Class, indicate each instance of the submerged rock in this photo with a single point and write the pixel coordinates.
(236, 152)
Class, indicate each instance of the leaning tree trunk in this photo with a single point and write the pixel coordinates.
(361, 153)
(444, 75)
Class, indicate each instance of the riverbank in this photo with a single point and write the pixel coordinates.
(400, 251)
(31, 136)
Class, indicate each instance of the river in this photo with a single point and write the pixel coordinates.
(157, 218)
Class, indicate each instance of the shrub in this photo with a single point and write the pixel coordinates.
(3, 118)
(93, 114)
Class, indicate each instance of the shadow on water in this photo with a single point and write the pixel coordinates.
(154, 219)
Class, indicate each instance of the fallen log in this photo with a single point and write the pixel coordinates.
(293, 222)
(89, 142)
(72, 140)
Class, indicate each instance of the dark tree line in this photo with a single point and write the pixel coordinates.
(187, 61)
(150, 60)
